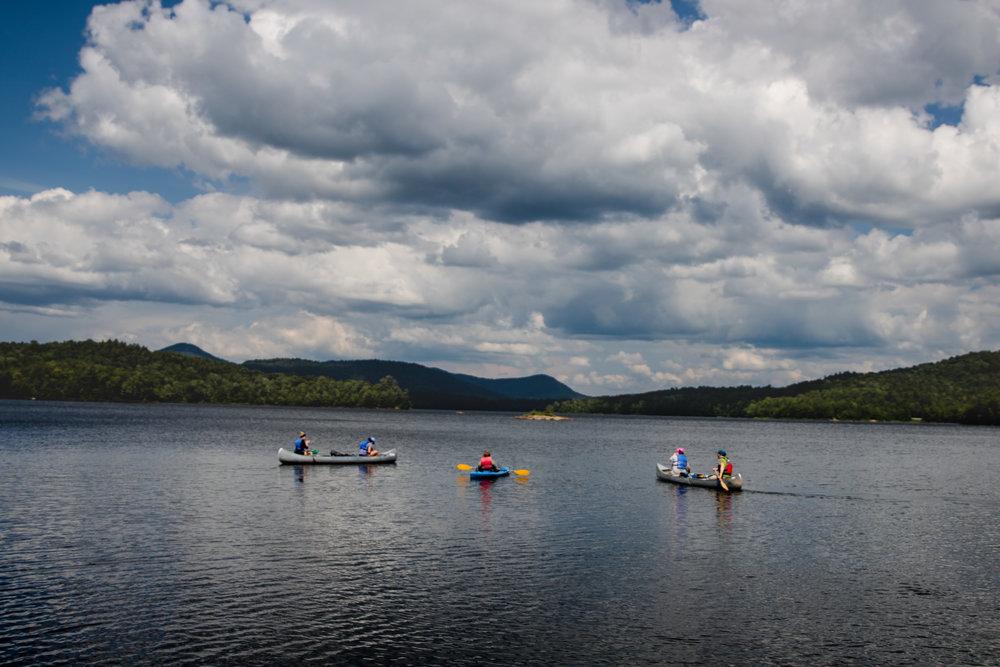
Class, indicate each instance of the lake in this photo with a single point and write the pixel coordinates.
(170, 533)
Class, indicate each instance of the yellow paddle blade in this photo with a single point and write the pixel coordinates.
(522, 471)
(464, 466)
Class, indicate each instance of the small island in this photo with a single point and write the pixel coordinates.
(542, 415)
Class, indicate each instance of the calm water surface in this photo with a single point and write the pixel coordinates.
(169, 533)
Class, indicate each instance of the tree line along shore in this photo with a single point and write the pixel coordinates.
(119, 372)
(963, 389)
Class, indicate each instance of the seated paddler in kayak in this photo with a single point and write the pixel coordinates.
(302, 444)
(367, 447)
(679, 463)
(486, 463)
(723, 468)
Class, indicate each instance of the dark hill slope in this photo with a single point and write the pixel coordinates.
(189, 350)
(532, 386)
(432, 387)
(964, 389)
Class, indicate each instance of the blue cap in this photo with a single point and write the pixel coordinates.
(722, 452)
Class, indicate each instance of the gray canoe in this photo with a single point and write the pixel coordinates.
(735, 483)
(291, 457)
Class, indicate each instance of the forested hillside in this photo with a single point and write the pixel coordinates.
(432, 388)
(963, 389)
(680, 402)
(116, 371)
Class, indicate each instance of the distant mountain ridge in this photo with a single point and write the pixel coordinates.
(190, 350)
(433, 387)
(428, 387)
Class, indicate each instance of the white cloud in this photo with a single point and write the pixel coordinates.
(574, 110)
(302, 331)
(536, 308)
(759, 198)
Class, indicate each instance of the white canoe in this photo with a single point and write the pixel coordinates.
(735, 483)
(286, 456)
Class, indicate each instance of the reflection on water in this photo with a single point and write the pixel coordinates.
(485, 498)
(124, 543)
(723, 509)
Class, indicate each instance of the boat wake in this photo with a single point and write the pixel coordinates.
(811, 494)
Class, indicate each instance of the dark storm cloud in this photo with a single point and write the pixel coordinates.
(515, 188)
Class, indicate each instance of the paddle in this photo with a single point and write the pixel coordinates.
(722, 469)
(467, 467)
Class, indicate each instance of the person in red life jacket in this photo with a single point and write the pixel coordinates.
(724, 468)
(486, 463)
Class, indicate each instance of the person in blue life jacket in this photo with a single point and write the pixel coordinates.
(679, 463)
(367, 447)
(302, 443)
(723, 468)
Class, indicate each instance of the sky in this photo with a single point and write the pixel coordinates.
(625, 195)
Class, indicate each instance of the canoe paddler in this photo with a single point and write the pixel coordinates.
(302, 444)
(367, 447)
(724, 467)
(679, 463)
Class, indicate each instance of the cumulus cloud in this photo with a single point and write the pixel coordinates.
(592, 189)
(322, 336)
(306, 278)
(568, 111)
(890, 53)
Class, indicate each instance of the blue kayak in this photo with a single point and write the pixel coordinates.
(489, 474)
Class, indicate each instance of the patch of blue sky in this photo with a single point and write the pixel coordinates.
(688, 11)
(861, 227)
(37, 53)
(944, 114)
(951, 114)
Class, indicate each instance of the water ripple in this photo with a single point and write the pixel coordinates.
(134, 541)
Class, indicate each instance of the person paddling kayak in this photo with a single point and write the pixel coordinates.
(367, 447)
(679, 463)
(486, 463)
